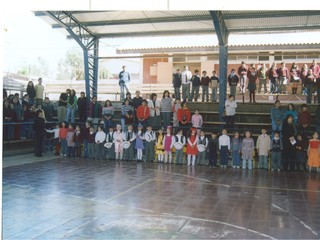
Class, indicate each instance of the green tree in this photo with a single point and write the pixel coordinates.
(39, 68)
(71, 66)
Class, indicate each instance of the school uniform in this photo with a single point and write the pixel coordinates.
(263, 146)
(179, 152)
(202, 155)
(91, 145)
(118, 140)
(64, 144)
(213, 151)
(110, 151)
(276, 149)
(192, 150)
(150, 140)
(78, 143)
(247, 151)
(301, 158)
(99, 139)
(130, 136)
(167, 145)
(236, 145)
(224, 147)
(139, 145)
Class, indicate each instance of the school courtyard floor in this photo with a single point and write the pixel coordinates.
(61, 198)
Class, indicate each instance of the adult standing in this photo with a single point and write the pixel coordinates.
(214, 86)
(82, 107)
(316, 72)
(288, 133)
(154, 107)
(303, 77)
(262, 75)
(108, 113)
(31, 92)
(94, 112)
(273, 76)
(252, 76)
(62, 106)
(124, 79)
(48, 109)
(205, 80)
(284, 76)
(276, 118)
(166, 108)
(233, 80)
(196, 82)
(176, 81)
(243, 71)
(310, 82)
(39, 89)
(294, 77)
(71, 106)
(304, 121)
(39, 124)
(186, 76)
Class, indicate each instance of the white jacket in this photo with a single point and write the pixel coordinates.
(152, 110)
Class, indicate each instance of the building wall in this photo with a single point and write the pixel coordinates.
(150, 69)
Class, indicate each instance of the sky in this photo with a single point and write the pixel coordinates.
(27, 37)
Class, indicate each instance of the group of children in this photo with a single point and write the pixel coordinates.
(165, 146)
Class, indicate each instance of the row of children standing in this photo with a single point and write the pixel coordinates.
(160, 147)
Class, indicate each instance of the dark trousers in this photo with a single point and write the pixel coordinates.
(288, 159)
(38, 144)
(71, 151)
(213, 159)
(301, 161)
(230, 121)
(224, 155)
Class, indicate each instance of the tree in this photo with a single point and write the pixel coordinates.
(71, 66)
(39, 68)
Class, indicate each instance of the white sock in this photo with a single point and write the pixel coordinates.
(193, 160)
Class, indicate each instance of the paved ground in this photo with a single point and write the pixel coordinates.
(62, 198)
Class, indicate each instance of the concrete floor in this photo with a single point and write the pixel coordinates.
(61, 198)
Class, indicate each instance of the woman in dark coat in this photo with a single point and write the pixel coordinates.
(288, 134)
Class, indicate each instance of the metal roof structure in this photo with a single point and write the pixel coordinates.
(87, 27)
(113, 24)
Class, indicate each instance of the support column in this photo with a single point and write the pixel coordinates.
(222, 34)
(223, 68)
(89, 44)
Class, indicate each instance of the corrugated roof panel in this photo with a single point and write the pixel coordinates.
(315, 19)
(126, 15)
(152, 27)
(267, 22)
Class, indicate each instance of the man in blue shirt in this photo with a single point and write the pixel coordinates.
(124, 78)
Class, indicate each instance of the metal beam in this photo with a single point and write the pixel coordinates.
(269, 14)
(275, 29)
(222, 34)
(153, 33)
(87, 41)
(196, 18)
